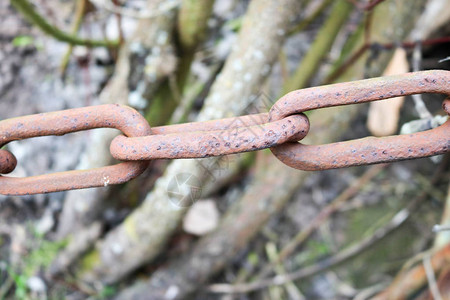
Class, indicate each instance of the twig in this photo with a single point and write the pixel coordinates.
(367, 293)
(353, 58)
(346, 64)
(389, 46)
(366, 7)
(439, 228)
(418, 101)
(398, 219)
(79, 244)
(195, 91)
(321, 266)
(368, 27)
(275, 292)
(427, 184)
(174, 89)
(282, 58)
(5, 287)
(119, 23)
(431, 278)
(32, 16)
(372, 4)
(291, 289)
(412, 282)
(320, 47)
(412, 277)
(131, 13)
(325, 213)
(73, 284)
(409, 44)
(192, 28)
(311, 17)
(443, 238)
(79, 14)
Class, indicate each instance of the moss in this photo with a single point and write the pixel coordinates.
(162, 106)
(387, 255)
(361, 221)
(89, 260)
(192, 22)
(130, 228)
(43, 256)
(248, 160)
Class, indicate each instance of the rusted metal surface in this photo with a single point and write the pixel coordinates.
(279, 130)
(368, 150)
(254, 134)
(124, 118)
(8, 162)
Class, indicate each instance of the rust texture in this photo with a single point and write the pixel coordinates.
(255, 134)
(280, 129)
(368, 150)
(124, 118)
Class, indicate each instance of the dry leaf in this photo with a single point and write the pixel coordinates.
(384, 115)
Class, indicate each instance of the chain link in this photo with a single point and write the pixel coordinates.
(280, 130)
(369, 150)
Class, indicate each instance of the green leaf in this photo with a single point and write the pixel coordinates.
(23, 41)
(253, 258)
(107, 292)
(235, 24)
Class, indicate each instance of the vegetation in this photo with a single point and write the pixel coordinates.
(278, 233)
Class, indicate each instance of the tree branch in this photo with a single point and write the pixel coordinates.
(27, 10)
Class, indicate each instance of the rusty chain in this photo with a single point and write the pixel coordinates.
(280, 130)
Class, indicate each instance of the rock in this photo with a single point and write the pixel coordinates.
(45, 223)
(202, 217)
(36, 285)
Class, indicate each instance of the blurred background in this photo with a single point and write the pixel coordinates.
(236, 227)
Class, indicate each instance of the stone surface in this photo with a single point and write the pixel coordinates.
(202, 217)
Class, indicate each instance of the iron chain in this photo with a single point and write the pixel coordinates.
(280, 130)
